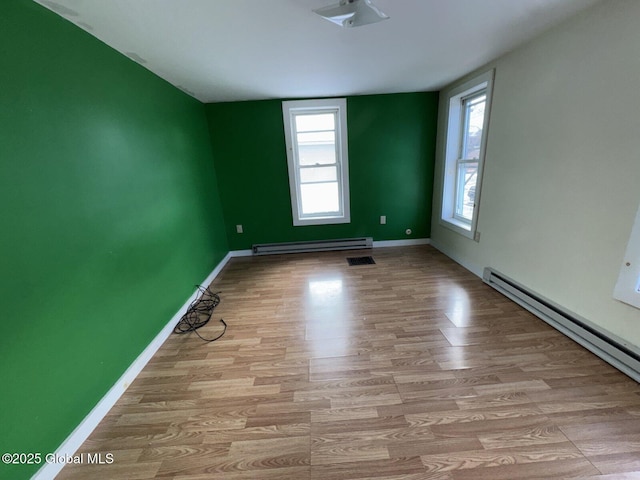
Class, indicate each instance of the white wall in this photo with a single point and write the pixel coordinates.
(562, 174)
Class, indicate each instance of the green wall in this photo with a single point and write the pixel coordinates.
(110, 216)
(391, 158)
(112, 210)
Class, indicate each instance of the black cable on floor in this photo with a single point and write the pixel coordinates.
(199, 313)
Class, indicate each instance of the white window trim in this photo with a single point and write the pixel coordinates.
(453, 118)
(626, 289)
(297, 106)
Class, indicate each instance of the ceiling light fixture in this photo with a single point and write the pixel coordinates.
(352, 13)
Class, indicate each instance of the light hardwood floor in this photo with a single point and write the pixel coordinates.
(408, 369)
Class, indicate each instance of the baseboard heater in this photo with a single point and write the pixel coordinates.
(609, 347)
(315, 246)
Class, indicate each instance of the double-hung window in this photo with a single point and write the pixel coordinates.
(316, 140)
(467, 121)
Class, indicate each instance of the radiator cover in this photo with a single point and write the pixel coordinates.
(314, 246)
(609, 347)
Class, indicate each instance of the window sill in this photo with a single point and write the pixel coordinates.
(457, 226)
(301, 222)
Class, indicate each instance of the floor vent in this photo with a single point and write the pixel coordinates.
(612, 349)
(360, 261)
(316, 246)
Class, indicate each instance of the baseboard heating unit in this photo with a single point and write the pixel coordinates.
(315, 246)
(612, 349)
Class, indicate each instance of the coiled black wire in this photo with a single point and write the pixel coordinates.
(199, 313)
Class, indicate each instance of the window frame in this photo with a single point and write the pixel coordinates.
(455, 117)
(290, 108)
(627, 288)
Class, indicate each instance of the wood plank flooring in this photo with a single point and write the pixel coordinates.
(408, 369)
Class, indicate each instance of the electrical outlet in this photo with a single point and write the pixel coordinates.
(239, 229)
(383, 219)
(476, 236)
(408, 231)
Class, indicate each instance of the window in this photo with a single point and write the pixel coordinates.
(316, 139)
(467, 121)
(627, 288)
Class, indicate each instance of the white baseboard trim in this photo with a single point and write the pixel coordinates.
(376, 244)
(401, 243)
(241, 253)
(475, 269)
(91, 421)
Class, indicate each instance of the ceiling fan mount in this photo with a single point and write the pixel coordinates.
(352, 13)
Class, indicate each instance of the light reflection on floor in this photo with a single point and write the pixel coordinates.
(457, 310)
(325, 292)
(327, 316)
(458, 305)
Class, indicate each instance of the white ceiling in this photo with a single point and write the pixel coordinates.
(228, 50)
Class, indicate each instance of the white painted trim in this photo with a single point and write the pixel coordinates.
(95, 416)
(240, 253)
(473, 268)
(376, 244)
(401, 243)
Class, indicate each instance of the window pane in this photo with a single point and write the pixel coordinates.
(319, 198)
(473, 124)
(314, 138)
(466, 178)
(317, 154)
(315, 122)
(320, 174)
